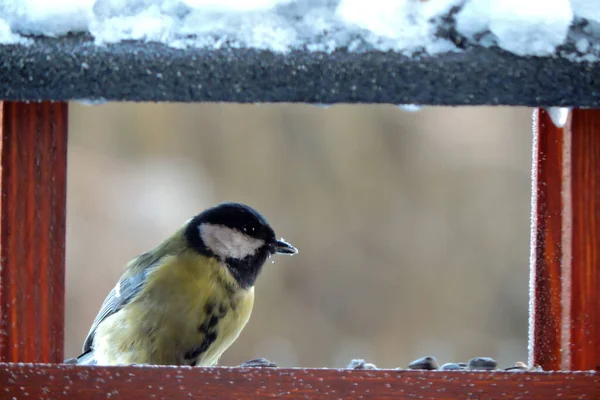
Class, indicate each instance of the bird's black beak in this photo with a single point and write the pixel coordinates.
(281, 247)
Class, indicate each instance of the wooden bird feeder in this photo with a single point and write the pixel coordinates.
(565, 321)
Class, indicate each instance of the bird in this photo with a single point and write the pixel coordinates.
(187, 300)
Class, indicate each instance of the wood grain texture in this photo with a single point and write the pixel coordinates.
(52, 381)
(585, 266)
(32, 231)
(546, 310)
(565, 331)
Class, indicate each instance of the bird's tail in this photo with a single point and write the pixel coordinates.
(84, 359)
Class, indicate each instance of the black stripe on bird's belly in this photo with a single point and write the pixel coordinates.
(192, 354)
(209, 329)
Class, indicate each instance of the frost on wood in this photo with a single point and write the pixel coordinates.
(8, 37)
(559, 115)
(568, 28)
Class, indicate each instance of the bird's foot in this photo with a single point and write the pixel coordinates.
(258, 363)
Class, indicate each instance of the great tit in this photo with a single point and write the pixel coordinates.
(187, 300)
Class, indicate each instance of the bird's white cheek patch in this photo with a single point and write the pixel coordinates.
(227, 242)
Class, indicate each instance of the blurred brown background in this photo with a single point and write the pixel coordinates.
(413, 228)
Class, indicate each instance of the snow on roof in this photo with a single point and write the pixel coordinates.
(523, 27)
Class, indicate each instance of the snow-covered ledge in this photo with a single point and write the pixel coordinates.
(444, 52)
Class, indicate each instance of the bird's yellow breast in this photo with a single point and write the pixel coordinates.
(189, 312)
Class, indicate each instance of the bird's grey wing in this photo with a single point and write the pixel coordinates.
(119, 296)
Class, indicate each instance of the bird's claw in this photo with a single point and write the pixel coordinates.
(258, 363)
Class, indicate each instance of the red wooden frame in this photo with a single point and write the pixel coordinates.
(566, 242)
(566, 287)
(33, 182)
(37, 381)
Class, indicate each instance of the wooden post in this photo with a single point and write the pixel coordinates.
(546, 310)
(32, 231)
(565, 323)
(585, 246)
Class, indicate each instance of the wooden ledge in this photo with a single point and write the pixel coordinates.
(60, 381)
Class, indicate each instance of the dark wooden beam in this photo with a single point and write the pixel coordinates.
(565, 330)
(32, 231)
(29, 381)
(149, 71)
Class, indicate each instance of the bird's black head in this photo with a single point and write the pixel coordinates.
(239, 236)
